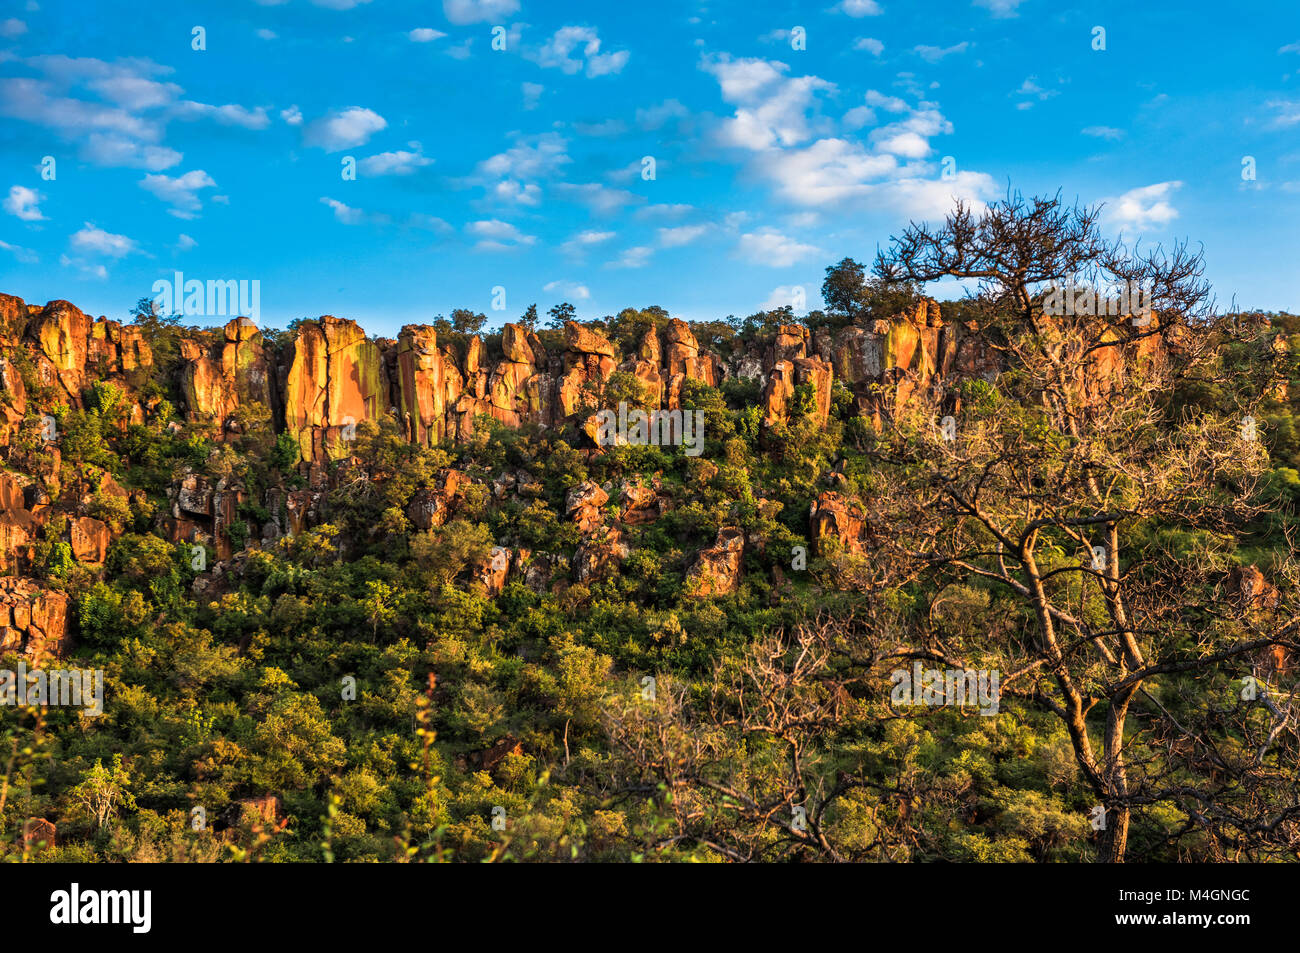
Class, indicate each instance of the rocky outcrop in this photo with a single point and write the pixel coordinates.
(836, 524)
(588, 363)
(224, 371)
(716, 571)
(33, 620)
(335, 381)
(582, 505)
(89, 539)
(785, 376)
(600, 554)
(39, 834)
(16, 523)
(431, 506)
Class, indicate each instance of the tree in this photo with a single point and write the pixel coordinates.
(1078, 491)
(561, 313)
(464, 321)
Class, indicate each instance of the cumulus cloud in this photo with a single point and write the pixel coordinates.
(681, 235)
(23, 203)
(581, 242)
(425, 34)
(869, 44)
(478, 11)
(569, 290)
(601, 199)
(778, 122)
(92, 240)
(400, 162)
(933, 54)
(530, 158)
(1103, 132)
(115, 112)
(859, 8)
(1143, 207)
(496, 235)
(571, 48)
(1000, 8)
(181, 192)
(771, 107)
(24, 256)
(343, 129)
(769, 247)
(344, 213)
(636, 257)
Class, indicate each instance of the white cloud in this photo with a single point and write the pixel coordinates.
(1103, 132)
(772, 108)
(888, 103)
(393, 163)
(265, 34)
(530, 158)
(1000, 8)
(23, 203)
(292, 116)
(777, 122)
(1288, 112)
(430, 223)
(24, 256)
(343, 129)
(230, 115)
(681, 235)
(1290, 48)
(425, 34)
(769, 247)
(664, 211)
(518, 193)
(579, 243)
(569, 290)
(601, 199)
(654, 117)
(933, 54)
(116, 112)
(185, 243)
(869, 45)
(92, 240)
(558, 53)
(859, 8)
(344, 213)
(859, 116)
(181, 192)
(12, 27)
(478, 11)
(1143, 207)
(532, 93)
(635, 257)
(496, 235)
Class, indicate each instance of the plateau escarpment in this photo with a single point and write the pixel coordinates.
(307, 391)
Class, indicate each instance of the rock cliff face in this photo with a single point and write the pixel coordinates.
(330, 377)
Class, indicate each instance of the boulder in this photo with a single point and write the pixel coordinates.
(89, 539)
(716, 571)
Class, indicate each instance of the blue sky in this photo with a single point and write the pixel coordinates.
(522, 168)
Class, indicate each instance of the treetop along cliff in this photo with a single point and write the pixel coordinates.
(361, 592)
